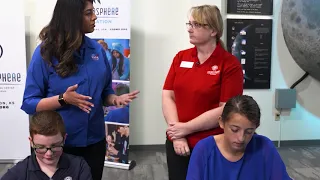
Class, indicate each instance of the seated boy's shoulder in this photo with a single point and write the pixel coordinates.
(24, 163)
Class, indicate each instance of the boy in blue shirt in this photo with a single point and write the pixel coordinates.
(47, 136)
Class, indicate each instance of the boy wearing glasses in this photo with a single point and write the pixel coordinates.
(47, 135)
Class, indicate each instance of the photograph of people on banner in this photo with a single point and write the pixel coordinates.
(114, 114)
(117, 136)
(117, 127)
(118, 54)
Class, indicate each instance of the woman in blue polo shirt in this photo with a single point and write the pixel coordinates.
(69, 73)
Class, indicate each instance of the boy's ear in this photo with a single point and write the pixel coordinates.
(30, 140)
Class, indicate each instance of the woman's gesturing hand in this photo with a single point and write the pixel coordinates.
(81, 101)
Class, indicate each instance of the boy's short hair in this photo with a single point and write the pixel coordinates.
(47, 123)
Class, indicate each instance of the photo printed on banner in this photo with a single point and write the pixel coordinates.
(118, 55)
(118, 114)
(117, 142)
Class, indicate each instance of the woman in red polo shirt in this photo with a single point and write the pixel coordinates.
(200, 80)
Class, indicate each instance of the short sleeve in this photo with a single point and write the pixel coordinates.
(85, 172)
(168, 85)
(232, 79)
(36, 82)
(198, 159)
(275, 166)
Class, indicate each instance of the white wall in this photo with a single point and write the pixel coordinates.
(37, 15)
(157, 36)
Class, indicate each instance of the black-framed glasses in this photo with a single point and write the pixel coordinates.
(43, 150)
(195, 25)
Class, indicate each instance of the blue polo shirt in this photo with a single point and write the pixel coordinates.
(94, 79)
(69, 167)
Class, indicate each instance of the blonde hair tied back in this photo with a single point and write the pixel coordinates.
(209, 14)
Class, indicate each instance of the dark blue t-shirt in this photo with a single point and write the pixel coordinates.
(261, 161)
(70, 167)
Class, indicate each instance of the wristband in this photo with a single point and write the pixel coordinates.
(61, 100)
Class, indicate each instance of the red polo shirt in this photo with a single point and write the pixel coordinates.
(201, 87)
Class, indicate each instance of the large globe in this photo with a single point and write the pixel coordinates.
(300, 21)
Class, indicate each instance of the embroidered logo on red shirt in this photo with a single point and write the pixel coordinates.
(215, 70)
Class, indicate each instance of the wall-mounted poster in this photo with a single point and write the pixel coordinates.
(257, 7)
(250, 40)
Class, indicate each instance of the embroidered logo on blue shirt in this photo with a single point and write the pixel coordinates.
(68, 178)
(95, 57)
